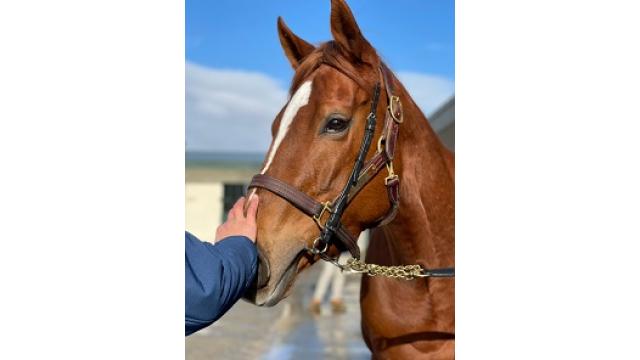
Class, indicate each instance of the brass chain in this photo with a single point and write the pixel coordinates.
(406, 272)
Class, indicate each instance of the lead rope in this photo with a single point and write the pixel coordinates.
(406, 272)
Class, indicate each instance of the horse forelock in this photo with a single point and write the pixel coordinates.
(332, 54)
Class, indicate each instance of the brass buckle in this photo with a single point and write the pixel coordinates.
(392, 175)
(389, 178)
(392, 108)
(326, 206)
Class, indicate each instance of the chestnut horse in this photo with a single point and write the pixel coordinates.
(316, 138)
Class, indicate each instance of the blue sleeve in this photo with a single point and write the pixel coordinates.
(216, 276)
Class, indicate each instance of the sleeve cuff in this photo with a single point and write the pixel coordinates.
(245, 251)
(240, 244)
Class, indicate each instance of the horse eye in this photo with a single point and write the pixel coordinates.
(335, 125)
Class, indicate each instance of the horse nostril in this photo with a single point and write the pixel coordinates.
(263, 271)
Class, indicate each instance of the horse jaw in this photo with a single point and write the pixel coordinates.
(280, 279)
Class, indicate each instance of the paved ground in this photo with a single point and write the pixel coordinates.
(286, 331)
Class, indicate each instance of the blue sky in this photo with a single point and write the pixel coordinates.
(237, 41)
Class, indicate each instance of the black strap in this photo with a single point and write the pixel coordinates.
(331, 225)
(444, 272)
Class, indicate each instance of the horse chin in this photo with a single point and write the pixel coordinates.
(272, 295)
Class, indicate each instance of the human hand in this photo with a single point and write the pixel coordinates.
(237, 224)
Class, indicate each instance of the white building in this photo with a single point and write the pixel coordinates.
(213, 182)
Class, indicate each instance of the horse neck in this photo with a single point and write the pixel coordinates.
(423, 230)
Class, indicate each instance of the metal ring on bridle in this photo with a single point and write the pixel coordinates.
(314, 250)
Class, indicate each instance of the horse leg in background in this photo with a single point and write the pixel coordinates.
(363, 242)
(321, 287)
(337, 303)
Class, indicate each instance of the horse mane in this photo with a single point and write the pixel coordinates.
(333, 54)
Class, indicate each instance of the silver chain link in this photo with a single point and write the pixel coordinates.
(406, 272)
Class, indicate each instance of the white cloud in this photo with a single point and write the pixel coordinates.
(428, 91)
(230, 110)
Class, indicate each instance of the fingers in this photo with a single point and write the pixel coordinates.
(237, 223)
(236, 210)
(253, 207)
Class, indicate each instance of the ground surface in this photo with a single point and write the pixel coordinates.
(286, 331)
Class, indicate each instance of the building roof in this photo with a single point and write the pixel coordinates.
(197, 158)
(444, 115)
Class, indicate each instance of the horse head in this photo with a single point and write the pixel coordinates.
(315, 140)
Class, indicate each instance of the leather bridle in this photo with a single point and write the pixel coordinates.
(362, 173)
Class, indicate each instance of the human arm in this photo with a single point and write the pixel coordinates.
(216, 276)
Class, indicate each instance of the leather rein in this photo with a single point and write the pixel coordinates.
(362, 173)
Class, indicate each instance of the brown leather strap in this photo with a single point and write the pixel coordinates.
(393, 115)
(296, 197)
(387, 79)
(390, 134)
(349, 241)
(370, 170)
(393, 191)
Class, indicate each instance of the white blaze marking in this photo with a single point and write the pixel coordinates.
(298, 100)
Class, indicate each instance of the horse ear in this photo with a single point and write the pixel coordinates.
(294, 47)
(346, 32)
